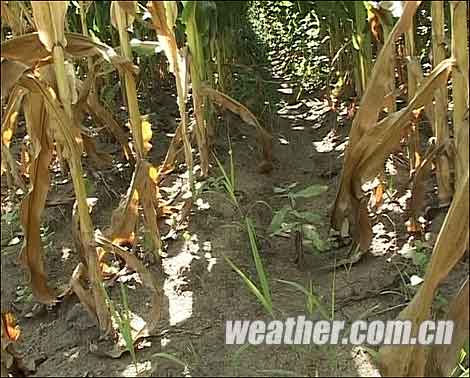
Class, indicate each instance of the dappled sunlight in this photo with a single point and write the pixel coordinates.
(177, 268)
(283, 141)
(139, 369)
(383, 240)
(66, 253)
(364, 363)
(180, 303)
(328, 143)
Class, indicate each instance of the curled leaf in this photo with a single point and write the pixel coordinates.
(264, 138)
(34, 202)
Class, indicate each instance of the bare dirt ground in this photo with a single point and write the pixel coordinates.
(201, 290)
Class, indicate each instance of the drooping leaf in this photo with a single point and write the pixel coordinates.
(105, 117)
(10, 73)
(264, 138)
(124, 218)
(34, 202)
(29, 50)
(371, 142)
(64, 134)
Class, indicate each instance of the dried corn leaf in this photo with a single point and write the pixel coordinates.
(11, 361)
(10, 73)
(49, 17)
(104, 116)
(8, 128)
(146, 133)
(379, 86)
(10, 115)
(129, 8)
(369, 145)
(61, 127)
(370, 152)
(164, 18)
(148, 189)
(451, 244)
(83, 295)
(264, 138)
(124, 218)
(34, 202)
(147, 278)
(381, 83)
(143, 189)
(10, 18)
(387, 131)
(29, 50)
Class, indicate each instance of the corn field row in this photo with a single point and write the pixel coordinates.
(53, 77)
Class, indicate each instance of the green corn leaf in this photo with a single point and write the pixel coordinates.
(251, 286)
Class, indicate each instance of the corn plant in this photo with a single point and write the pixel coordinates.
(143, 188)
(54, 102)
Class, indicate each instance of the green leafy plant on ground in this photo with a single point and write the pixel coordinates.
(288, 219)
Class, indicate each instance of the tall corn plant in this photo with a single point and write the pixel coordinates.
(50, 18)
(196, 17)
(370, 144)
(164, 16)
(42, 109)
(144, 185)
(41, 80)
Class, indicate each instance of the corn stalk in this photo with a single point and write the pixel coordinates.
(364, 44)
(441, 130)
(164, 18)
(143, 187)
(413, 148)
(458, 12)
(414, 154)
(371, 142)
(198, 75)
(84, 6)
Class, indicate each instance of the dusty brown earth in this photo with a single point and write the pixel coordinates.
(201, 290)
